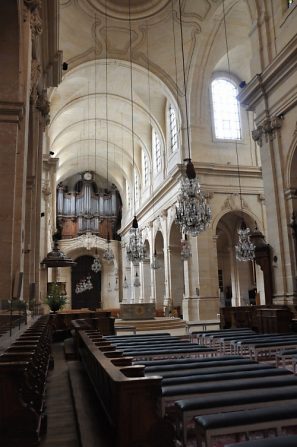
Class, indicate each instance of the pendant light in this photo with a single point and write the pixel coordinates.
(96, 265)
(135, 249)
(108, 254)
(193, 214)
(155, 264)
(245, 249)
(136, 280)
(125, 283)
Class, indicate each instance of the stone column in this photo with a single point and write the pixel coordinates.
(268, 137)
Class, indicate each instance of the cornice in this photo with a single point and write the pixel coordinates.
(283, 65)
(11, 112)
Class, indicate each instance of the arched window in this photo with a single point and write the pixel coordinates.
(172, 129)
(226, 115)
(157, 151)
(145, 169)
(129, 201)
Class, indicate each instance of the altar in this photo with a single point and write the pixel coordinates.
(137, 311)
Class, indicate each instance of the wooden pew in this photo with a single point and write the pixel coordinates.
(247, 422)
(280, 441)
(187, 409)
(126, 395)
(23, 371)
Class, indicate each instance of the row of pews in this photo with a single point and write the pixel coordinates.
(24, 367)
(144, 380)
(131, 400)
(230, 396)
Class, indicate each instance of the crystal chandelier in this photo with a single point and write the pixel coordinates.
(83, 285)
(125, 283)
(185, 249)
(155, 262)
(245, 249)
(108, 255)
(136, 280)
(96, 266)
(135, 249)
(193, 213)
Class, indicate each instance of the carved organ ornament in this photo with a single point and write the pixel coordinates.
(88, 209)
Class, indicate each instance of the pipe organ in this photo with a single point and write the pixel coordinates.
(88, 209)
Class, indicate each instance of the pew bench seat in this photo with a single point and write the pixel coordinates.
(276, 419)
(221, 376)
(279, 441)
(186, 409)
(284, 355)
(171, 393)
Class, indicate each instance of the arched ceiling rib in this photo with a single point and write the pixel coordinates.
(78, 128)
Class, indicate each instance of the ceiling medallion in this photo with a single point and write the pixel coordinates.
(119, 9)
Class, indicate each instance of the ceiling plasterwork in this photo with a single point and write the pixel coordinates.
(119, 9)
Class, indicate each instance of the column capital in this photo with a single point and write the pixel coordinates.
(268, 129)
(11, 112)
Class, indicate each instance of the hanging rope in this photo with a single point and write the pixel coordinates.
(184, 79)
(132, 107)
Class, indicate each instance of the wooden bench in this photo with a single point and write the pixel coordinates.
(201, 323)
(208, 427)
(206, 338)
(186, 409)
(23, 371)
(172, 393)
(216, 377)
(126, 395)
(190, 364)
(282, 356)
(280, 441)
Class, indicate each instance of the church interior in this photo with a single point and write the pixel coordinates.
(149, 230)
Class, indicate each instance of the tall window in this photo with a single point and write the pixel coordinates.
(145, 169)
(136, 189)
(172, 129)
(157, 151)
(129, 201)
(226, 114)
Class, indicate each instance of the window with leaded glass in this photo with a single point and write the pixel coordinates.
(157, 151)
(226, 112)
(172, 129)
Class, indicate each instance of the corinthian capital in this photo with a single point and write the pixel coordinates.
(32, 4)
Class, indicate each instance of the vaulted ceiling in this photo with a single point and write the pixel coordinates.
(103, 96)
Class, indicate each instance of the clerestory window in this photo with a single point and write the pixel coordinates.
(226, 111)
(172, 129)
(157, 151)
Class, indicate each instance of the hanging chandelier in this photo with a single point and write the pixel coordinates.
(96, 265)
(155, 264)
(245, 249)
(125, 283)
(136, 280)
(193, 214)
(186, 252)
(135, 249)
(83, 285)
(108, 254)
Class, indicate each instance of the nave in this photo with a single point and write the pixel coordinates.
(149, 389)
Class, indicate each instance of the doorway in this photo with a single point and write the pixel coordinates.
(85, 285)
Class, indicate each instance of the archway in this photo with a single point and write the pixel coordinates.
(176, 270)
(89, 295)
(238, 281)
(160, 273)
(146, 275)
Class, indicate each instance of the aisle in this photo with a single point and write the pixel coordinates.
(61, 429)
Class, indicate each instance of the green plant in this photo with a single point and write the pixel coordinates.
(55, 300)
